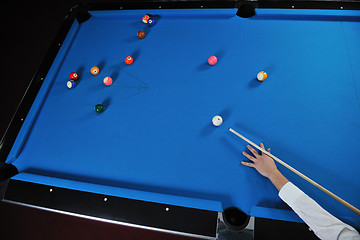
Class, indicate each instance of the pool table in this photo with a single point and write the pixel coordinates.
(153, 158)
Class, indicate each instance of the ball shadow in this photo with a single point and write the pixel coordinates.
(147, 30)
(135, 55)
(156, 17)
(106, 103)
(220, 54)
(225, 114)
(80, 71)
(207, 130)
(254, 83)
(204, 66)
(115, 75)
(101, 65)
(131, 39)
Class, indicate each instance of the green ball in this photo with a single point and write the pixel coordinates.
(99, 108)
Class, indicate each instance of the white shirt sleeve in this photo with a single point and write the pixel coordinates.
(324, 225)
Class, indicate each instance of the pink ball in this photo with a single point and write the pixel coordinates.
(212, 60)
(108, 81)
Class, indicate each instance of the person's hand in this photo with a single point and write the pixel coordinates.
(264, 164)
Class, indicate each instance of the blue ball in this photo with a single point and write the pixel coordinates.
(151, 22)
(71, 84)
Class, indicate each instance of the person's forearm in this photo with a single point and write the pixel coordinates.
(278, 179)
(324, 225)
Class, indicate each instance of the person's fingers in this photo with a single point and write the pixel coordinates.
(263, 147)
(247, 164)
(249, 157)
(256, 154)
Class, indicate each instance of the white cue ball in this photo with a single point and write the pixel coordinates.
(217, 121)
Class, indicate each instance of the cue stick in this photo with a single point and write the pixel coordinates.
(346, 204)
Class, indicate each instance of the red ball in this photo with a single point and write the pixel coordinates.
(212, 60)
(74, 76)
(145, 18)
(129, 60)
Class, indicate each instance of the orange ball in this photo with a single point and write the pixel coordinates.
(141, 34)
(94, 70)
(261, 76)
(129, 60)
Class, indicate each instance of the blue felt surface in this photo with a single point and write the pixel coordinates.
(156, 133)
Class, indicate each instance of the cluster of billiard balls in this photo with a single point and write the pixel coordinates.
(95, 71)
(73, 77)
(99, 108)
(147, 20)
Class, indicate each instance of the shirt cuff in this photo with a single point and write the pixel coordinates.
(289, 193)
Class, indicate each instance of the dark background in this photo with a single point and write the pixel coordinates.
(27, 31)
